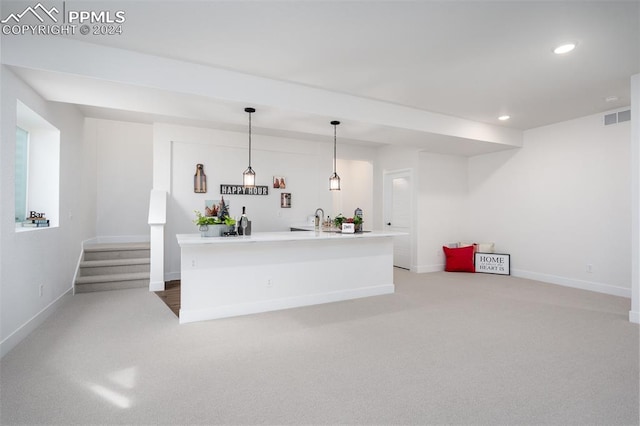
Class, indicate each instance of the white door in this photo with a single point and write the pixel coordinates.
(398, 214)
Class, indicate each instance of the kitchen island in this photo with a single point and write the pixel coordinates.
(266, 271)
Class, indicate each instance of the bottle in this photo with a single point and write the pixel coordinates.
(244, 222)
(358, 213)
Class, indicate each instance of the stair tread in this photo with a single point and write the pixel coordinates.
(110, 286)
(116, 246)
(90, 279)
(114, 262)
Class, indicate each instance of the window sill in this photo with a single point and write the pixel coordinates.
(20, 228)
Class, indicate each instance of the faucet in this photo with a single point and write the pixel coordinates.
(319, 218)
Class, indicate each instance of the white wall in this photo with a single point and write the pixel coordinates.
(558, 204)
(306, 166)
(356, 190)
(443, 207)
(634, 314)
(124, 175)
(392, 159)
(45, 256)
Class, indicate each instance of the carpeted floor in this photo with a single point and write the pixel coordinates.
(446, 348)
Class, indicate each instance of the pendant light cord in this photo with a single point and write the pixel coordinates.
(249, 140)
(334, 148)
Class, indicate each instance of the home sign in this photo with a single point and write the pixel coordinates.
(493, 263)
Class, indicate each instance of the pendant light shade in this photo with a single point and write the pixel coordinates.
(334, 180)
(249, 176)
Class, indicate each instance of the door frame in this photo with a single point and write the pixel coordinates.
(387, 178)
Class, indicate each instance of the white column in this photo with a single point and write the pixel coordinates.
(634, 314)
(157, 221)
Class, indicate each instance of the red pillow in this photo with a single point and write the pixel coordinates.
(459, 259)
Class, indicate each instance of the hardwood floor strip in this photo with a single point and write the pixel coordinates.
(171, 296)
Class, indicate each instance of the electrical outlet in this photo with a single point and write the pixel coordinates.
(269, 283)
(40, 289)
(589, 268)
(193, 263)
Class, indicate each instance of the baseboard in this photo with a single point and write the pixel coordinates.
(570, 282)
(171, 276)
(77, 271)
(28, 327)
(226, 311)
(156, 286)
(634, 317)
(420, 269)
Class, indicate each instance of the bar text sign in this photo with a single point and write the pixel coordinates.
(493, 263)
(226, 189)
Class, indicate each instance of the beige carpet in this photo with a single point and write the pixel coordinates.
(446, 348)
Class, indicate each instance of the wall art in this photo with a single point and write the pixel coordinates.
(199, 180)
(279, 182)
(227, 189)
(285, 200)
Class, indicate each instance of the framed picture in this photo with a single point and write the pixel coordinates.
(279, 182)
(200, 180)
(212, 207)
(285, 200)
(493, 263)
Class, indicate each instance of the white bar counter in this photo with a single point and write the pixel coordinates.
(230, 276)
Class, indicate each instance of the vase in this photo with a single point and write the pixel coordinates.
(204, 229)
(215, 230)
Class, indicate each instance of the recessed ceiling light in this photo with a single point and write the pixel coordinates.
(564, 48)
(504, 117)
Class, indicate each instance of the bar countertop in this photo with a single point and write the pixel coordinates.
(263, 237)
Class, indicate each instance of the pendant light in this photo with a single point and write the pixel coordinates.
(334, 180)
(249, 176)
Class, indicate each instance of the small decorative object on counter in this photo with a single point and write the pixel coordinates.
(339, 220)
(36, 220)
(200, 180)
(348, 228)
(358, 214)
(223, 210)
(244, 227)
(213, 226)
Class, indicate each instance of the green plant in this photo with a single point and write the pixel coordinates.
(339, 220)
(201, 220)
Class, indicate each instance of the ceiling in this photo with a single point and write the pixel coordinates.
(475, 60)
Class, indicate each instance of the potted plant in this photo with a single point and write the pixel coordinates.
(213, 226)
(356, 220)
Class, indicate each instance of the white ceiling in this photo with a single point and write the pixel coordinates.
(474, 60)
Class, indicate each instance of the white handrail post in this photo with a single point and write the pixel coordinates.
(157, 221)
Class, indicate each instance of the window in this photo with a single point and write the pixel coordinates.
(37, 169)
(22, 173)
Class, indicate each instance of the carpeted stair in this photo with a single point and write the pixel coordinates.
(113, 267)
